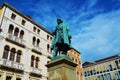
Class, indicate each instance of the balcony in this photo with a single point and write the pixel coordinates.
(35, 71)
(37, 49)
(15, 39)
(12, 64)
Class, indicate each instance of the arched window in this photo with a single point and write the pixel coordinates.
(11, 27)
(12, 54)
(48, 47)
(21, 34)
(6, 51)
(117, 76)
(34, 39)
(38, 42)
(16, 32)
(109, 76)
(18, 57)
(37, 62)
(32, 60)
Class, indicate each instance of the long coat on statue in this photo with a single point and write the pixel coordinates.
(62, 37)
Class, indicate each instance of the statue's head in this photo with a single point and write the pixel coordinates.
(59, 20)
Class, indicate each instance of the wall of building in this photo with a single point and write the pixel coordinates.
(75, 56)
(103, 70)
(1, 10)
(34, 45)
(27, 47)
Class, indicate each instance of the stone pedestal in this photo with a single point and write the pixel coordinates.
(61, 69)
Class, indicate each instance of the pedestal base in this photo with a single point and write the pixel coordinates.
(61, 69)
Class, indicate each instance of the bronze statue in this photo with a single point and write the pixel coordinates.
(62, 39)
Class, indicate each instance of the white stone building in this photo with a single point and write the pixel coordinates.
(24, 46)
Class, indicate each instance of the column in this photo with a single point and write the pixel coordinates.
(3, 76)
(9, 55)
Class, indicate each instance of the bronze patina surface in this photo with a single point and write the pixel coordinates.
(61, 42)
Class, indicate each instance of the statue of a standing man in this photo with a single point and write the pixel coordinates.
(62, 38)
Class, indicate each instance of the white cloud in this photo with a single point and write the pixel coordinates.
(97, 36)
(100, 37)
(91, 3)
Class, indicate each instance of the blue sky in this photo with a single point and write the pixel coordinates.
(94, 24)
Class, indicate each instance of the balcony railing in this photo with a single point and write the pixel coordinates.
(16, 39)
(35, 70)
(11, 64)
(37, 49)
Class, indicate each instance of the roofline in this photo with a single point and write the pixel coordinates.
(18, 12)
(103, 60)
(76, 50)
(107, 58)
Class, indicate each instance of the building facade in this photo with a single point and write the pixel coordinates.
(103, 69)
(75, 56)
(24, 46)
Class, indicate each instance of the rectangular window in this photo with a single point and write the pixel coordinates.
(91, 73)
(38, 31)
(18, 78)
(36, 64)
(48, 47)
(76, 60)
(13, 16)
(94, 72)
(110, 67)
(85, 74)
(23, 22)
(34, 29)
(32, 63)
(50, 38)
(117, 64)
(88, 74)
(8, 78)
(47, 37)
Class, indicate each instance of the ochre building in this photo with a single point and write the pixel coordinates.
(75, 56)
(103, 69)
